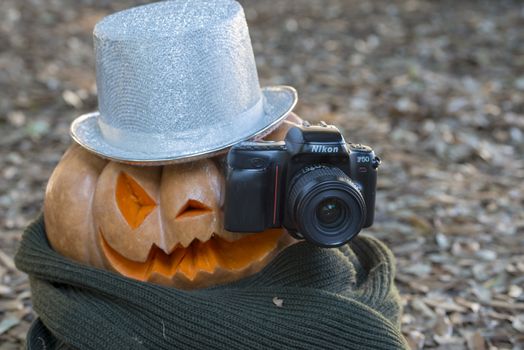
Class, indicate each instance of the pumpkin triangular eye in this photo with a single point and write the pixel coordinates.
(133, 201)
(193, 208)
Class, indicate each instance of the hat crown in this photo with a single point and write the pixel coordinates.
(173, 68)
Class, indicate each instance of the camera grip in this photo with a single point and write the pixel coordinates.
(246, 200)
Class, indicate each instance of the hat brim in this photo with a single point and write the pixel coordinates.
(278, 101)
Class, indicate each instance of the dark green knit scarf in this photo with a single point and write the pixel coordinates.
(331, 299)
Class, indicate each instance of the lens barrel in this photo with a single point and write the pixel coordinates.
(326, 206)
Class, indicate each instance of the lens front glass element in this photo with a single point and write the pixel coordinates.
(331, 212)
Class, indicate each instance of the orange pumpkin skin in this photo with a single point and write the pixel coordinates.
(160, 224)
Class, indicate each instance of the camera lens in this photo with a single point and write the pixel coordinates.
(325, 206)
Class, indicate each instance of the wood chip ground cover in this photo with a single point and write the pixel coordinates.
(437, 88)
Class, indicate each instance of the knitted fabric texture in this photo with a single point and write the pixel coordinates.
(330, 299)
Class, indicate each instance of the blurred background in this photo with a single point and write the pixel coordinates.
(436, 87)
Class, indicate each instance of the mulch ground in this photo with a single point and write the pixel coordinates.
(436, 87)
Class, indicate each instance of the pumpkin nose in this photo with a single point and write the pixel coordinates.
(191, 209)
(191, 200)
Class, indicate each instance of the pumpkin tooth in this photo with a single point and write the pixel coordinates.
(199, 256)
(187, 244)
(176, 258)
(206, 257)
(187, 264)
(160, 262)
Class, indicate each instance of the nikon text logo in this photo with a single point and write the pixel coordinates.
(323, 149)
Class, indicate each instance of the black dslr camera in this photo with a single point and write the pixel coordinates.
(313, 184)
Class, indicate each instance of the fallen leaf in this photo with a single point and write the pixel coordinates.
(416, 340)
(8, 322)
(278, 302)
(518, 323)
(475, 341)
(7, 261)
(443, 327)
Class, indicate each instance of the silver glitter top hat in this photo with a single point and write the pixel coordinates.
(177, 81)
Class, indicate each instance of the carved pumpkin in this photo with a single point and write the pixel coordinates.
(160, 224)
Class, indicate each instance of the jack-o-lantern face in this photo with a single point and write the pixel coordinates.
(160, 224)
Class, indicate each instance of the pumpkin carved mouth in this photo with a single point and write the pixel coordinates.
(189, 261)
